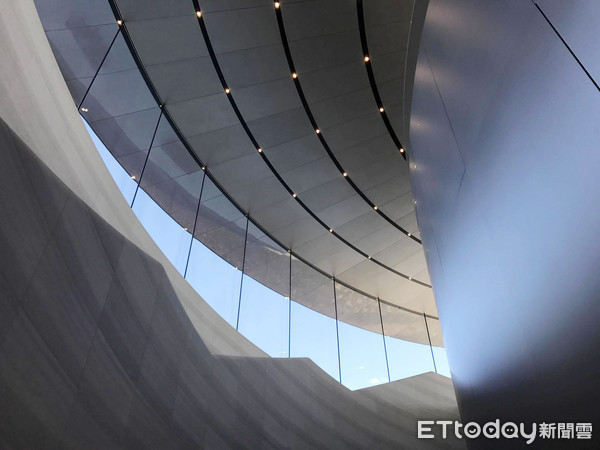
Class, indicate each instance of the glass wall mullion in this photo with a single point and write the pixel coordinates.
(187, 262)
(237, 322)
(147, 156)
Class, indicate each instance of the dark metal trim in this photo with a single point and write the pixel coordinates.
(567, 46)
(311, 118)
(371, 75)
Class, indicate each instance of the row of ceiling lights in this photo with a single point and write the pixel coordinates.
(367, 59)
(317, 131)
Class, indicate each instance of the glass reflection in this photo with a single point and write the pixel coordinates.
(126, 185)
(407, 359)
(441, 361)
(173, 240)
(217, 281)
(362, 357)
(313, 335)
(264, 318)
(362, 354)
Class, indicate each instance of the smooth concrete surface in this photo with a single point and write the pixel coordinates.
(505, 139)
(96, 350)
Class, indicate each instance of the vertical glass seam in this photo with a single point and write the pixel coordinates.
(290, 310)
(187, 262)
(430, 346)
(337, 330)
(147, 157)
(387, 364)
(99, 67)
(237, 323)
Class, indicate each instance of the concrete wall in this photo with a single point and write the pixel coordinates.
(505, 140)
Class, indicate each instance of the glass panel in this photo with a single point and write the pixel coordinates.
(220, 225)
(122, 178)
(439, 352)
(79, 52)
(441, 361)
(313, 335)
(362, 354)
(264, 316)
(217, 282)
(312, 289)
(406, 358)
(313, 331)
(59, 14)
(121, 110)
(267, 262)
(172, 239)
(172, 177)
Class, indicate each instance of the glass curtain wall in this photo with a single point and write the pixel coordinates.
(279, 302)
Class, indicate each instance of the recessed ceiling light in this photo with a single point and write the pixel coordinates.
(119, 22)
(203, 167)
(294, 195)
(375, 208)
(84, 109)
(259, 150)
(227, 91)
(366, 59)
(199, 13)
(401, 150)
(317, 131)
(133, 177)
(331, 230)
(345, 174)
(276, 4)
(294, 75)
(410, 278)
(409, 235)
(380, 109)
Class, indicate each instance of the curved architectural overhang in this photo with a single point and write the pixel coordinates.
(238, 91)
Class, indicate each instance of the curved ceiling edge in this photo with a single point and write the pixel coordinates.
(311, 118)
(266, 160)
(166, 115)
(365, 48)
